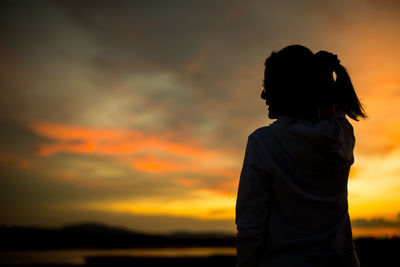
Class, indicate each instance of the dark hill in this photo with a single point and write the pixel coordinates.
(94, 235)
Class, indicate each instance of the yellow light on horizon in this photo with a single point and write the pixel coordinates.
(205, 204)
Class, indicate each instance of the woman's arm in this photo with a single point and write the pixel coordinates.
(252, 205)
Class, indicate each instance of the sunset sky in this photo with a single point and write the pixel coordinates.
(136, 113)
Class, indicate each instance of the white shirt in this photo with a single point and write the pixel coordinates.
(291, 207)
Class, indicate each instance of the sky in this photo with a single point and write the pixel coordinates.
(136, 113)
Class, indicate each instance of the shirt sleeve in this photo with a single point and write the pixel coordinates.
(252, 204)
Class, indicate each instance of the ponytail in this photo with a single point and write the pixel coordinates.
(346, 97)
(342, 91)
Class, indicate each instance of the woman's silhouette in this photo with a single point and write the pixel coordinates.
(291, 207)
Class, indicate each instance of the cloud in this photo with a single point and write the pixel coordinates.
(376, 223)
(99, 141)
(17, 161)
(378, 227)
(149, 153)
(154, 165)
(386, 5)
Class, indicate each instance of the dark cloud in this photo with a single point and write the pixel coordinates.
(387, 5)
(376, 223)
(18, 139)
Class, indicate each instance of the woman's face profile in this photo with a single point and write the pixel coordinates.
(264, 97)
(264, 93)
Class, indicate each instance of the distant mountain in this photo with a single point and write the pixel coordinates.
(95, 235)
(200, 235)
(96, 228)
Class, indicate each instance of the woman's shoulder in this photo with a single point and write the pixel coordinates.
(261, 132)
(266, 132)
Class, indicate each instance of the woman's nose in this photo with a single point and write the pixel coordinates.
(263, 96)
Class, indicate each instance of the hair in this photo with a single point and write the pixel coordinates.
(300, 84)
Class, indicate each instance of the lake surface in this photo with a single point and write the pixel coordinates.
(78, 256)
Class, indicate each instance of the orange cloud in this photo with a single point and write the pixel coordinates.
(25, 164)
(154, 165)
(228, 187)
(154, 154)
(186, 182)
(79, 140)
(88, 147)
(224, 188)
(68, 175)
(70, 133)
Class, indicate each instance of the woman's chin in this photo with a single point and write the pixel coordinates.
(271, 113)
(272, 116)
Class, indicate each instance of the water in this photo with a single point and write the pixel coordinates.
(78, 256)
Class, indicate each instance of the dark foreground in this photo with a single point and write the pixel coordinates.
(372, 252)
(149, 262)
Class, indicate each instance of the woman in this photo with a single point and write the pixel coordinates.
(291, 207)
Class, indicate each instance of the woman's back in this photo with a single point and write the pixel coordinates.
(302, 178)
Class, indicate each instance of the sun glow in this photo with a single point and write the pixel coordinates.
(202, 204)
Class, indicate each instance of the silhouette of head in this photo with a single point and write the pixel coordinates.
(300, 84)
